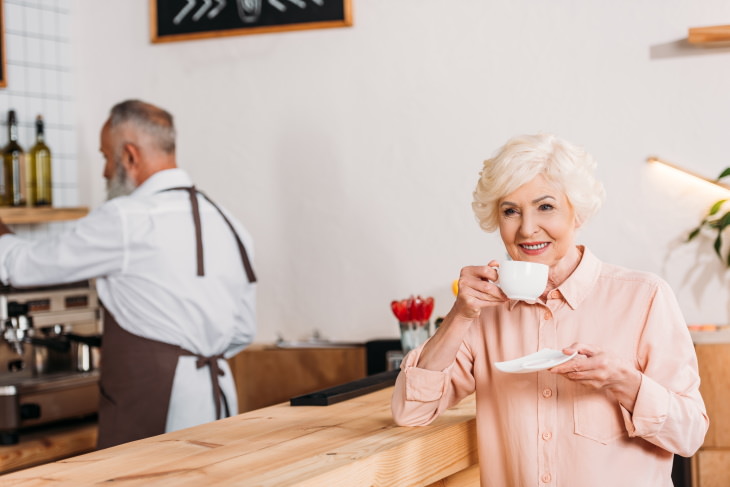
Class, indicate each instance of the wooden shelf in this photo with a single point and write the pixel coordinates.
(41, 215)
(715, 34)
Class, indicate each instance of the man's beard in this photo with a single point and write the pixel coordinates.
(119, 185)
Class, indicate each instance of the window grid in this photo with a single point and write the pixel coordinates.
(39, 77)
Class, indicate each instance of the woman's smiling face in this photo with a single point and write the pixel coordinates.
(537, 223)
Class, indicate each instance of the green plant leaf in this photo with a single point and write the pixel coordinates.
(716, 207)
(720, 224)
(718, 244)
(723, 222)
(694, 233)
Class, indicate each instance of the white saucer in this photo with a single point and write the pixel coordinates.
(544, 359)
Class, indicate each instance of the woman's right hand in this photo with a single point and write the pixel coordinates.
(477, 291)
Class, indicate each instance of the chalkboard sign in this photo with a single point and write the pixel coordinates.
(179, 20)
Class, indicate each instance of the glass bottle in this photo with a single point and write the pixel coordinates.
(13, 166)
(40, 188)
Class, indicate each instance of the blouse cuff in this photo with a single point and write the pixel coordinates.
(422, 385)
(650, 410)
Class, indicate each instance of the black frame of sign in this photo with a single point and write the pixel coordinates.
(3, 78)
(177, 20)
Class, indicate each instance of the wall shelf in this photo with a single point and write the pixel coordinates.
(716, 34)
(41, 215)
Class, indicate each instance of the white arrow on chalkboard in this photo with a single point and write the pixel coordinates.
(282, 8)
(200, 12)
(215, 11)
(183, 12)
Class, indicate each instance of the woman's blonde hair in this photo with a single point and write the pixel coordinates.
(570, 168)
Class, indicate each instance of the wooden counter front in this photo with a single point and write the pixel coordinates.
(353, 443)
(49, 444)
(265, 375)
(711, 464)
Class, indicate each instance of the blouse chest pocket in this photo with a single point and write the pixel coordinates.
(597, 416)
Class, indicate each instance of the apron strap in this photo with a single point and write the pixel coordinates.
(193, 192)
(198, 230)
(241, 248)
(215, 372)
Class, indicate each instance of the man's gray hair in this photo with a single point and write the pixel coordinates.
(147, 118)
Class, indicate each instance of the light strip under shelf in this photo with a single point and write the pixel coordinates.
(657, 160)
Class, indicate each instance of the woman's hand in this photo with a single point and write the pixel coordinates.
(477, 291)
(602, 370)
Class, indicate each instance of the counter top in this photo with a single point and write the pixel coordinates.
(353, 443)
(720, 335)
(298, 371)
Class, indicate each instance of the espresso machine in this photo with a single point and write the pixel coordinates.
(50, 341)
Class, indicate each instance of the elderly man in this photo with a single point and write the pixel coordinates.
(173, 275)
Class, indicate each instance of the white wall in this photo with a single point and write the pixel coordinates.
(351, 153)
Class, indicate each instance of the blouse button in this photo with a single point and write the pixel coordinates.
(546, 478)
(547, 435)
(547, 392)
(555, 294)
(548, 315)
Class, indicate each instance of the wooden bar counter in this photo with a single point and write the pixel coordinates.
(351, 443)
(49, 444)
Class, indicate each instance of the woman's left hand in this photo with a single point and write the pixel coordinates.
(602, 370)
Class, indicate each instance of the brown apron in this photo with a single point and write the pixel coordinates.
(137, 373)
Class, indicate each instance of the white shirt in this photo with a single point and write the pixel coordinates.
(141, 250)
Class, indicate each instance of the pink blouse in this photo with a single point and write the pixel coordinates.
(541, 429)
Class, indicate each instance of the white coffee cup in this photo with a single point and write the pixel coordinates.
(522, 280)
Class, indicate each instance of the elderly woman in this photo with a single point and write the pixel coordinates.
(612, 416)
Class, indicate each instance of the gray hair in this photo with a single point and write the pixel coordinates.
(570, 168)
(148, 119)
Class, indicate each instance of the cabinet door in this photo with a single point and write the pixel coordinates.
(269, 375)
(711, 468)
(714, 365)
